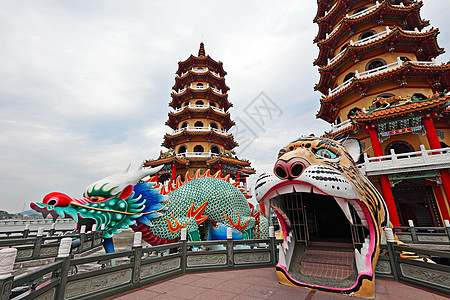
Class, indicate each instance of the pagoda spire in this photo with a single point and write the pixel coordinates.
(201, 51)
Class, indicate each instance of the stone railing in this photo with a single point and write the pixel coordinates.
(33, 245)
(113, 273)
(422, 160)
(193, 106)
(197, 154)
(192, 128)
(199, 87)
(340, 126)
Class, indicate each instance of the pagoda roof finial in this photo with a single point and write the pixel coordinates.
(201, 51)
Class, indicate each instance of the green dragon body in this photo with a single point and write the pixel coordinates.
(160, 212)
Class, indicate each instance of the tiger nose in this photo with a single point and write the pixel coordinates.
(291, 168)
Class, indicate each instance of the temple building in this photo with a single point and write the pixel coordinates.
(382, 85)
(200, 122)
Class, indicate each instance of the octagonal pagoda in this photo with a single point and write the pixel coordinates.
(200, 139)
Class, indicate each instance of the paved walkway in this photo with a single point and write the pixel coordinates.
(261, 283)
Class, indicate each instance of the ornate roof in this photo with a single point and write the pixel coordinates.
(437, 76)
(201, 94)
(189, 111)
(202, 60)
(227, 140)
(208, 76)
(396, 38)
(396, 15)
(417, 107)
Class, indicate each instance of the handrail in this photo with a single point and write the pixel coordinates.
(192, 128)
(369, 9)
(194, 106)
(340, 126)
(196, 87)
(197, 154)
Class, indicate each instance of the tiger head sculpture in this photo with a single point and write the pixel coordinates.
(330, 215)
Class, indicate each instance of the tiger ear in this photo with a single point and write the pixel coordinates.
(353, 147)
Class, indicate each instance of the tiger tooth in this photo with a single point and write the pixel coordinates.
(345, 208)
(288, 238)
(302, 188)
(287, 189)
(317, 191)
(267, 208)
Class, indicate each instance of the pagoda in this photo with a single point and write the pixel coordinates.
(200, 122)
(382, 85)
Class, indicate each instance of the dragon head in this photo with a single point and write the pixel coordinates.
(330, 215)
(115, 202)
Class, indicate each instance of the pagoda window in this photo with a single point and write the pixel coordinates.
(186, 103)
(366, 34)
(215, 149)
(200, 102)
(399, 147)
(338, 120)
(200, 68)
(344, 47)
(212, 104)
(358, 10)
(198, 149)
(418, 97)
(184, 125)
(199, 85)
(213, 125)
(386, 95)
(404, 59)
(349, 76)
(198, 124)
(353, 111)
(182, 149)
(375, 63)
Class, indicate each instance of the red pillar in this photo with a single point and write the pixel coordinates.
(384, 180)
(244, 179)
(156, 177)
(219, 168)
(174, 172)
(238, 179)
(434, 144)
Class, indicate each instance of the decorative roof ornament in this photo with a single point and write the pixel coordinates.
(201, 51)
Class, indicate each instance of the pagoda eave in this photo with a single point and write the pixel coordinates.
(166, 160)
(180, 82)
(418, 107)
(401, 37)
(228, 160)
(206, 61)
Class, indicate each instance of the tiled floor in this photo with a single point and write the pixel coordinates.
(327, 264)
(261, 283)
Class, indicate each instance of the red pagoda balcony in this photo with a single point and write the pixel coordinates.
(200, 129)
(203, 107)
(197, 154)
(199, 87)
(376, 71)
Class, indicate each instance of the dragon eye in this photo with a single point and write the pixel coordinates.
(96, 198)
(326, 153)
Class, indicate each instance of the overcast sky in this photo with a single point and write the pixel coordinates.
(85, 85)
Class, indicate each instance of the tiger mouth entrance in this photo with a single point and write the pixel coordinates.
(315, 217)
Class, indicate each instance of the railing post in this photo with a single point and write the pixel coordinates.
(39, 240)
(273, 248)
(394, 158)
(82, 236)
(390, 242)
(230, 247)
(447, 228)
(26, 232)
(7, 257)
(183, 250)
(413, 231)
(52, 229)
(64, 255)
(424, 153)
(137, 247)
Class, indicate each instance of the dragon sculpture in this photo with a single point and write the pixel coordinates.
(160, 211)
(318, 192)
